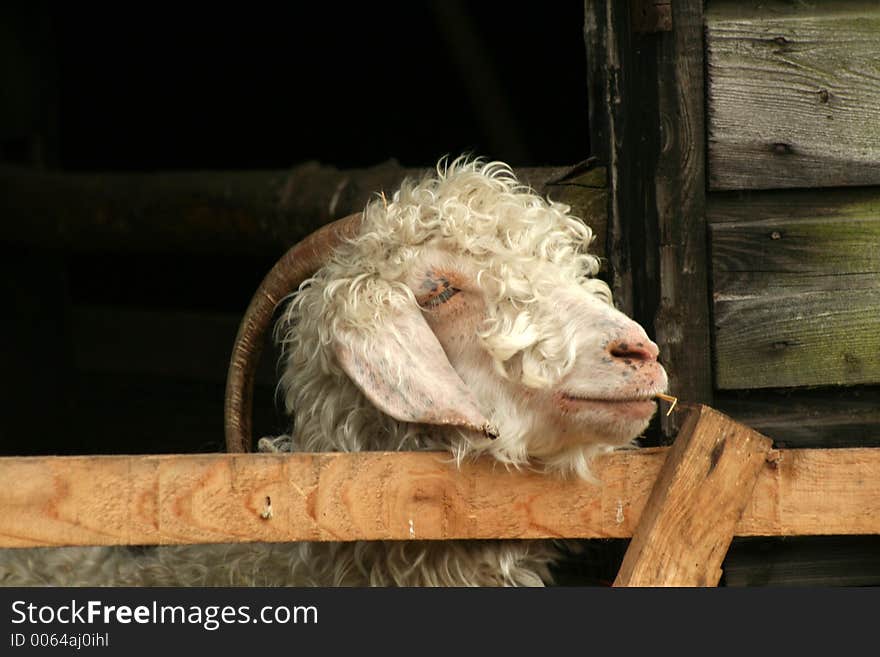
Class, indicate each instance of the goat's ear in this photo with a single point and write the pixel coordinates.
(404, 372)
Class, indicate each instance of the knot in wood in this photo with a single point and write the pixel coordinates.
(781, 148)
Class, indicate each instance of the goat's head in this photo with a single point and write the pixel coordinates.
(462, 314)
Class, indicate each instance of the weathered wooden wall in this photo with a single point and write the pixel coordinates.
(796, 287)
(793, 101)
(645, 78)
(793, 93)
(793, 125)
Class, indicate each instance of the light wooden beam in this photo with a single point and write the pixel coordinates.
(702, 489)
(175, 499)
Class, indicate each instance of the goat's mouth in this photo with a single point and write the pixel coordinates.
(635, 406)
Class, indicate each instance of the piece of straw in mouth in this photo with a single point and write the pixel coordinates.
(672, 400)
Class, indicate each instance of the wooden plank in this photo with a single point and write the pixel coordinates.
(698, 497)
(825, 417)
(796, 288)
(367, 495)
(599, 76)
(134, 500)
(681, 319)
(820, 338)
(803, 561)
(814, 492)
(228, 212)
(793, 94)
(614, 74)
(651, 132)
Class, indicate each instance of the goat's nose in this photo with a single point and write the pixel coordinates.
(636, 347)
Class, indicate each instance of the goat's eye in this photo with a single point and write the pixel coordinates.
(442, 296)
(436, 290)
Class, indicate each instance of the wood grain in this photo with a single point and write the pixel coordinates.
(681, 318)
(646, 120)
(135, 500)
(795, 496)
(697, 499)
(796, 293)
(793, 94)
(319, 497)
(803, 561)
(796, 417)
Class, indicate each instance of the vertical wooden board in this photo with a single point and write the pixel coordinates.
(681, 321)
(652, 131)
(796, 288)
(612, 74)
(596, 48)
(703, 487)
(794, 93)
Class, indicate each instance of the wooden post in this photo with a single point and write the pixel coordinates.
(648, 83)
(697, 500)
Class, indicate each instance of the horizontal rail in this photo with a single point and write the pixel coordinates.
(181, 499)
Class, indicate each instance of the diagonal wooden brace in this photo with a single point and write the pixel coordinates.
(697, 499)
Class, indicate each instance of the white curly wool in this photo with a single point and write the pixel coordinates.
(464, 309)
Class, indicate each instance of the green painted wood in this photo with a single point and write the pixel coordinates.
(793, 93)
(796, 288)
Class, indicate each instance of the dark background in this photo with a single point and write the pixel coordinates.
(143, 89)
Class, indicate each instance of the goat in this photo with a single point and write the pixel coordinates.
(463, 314)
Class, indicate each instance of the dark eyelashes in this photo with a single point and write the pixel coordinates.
(442, 297)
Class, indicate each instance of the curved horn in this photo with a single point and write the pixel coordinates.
(295, 266)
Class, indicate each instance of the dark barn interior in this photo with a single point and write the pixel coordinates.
(120, 345)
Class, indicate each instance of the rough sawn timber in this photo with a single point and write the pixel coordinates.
(688, 522)
(180, 499)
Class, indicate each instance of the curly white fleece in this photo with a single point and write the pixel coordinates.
(521, 246)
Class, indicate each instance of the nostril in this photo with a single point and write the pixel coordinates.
(633, 351)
